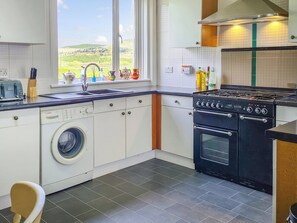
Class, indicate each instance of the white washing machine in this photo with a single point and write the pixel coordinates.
(66, 146)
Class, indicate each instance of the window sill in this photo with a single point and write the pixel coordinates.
(99, 83)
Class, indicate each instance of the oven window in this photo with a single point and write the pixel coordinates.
(215, 148)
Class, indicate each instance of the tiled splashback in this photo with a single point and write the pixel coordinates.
(273, 68)
(277, 68)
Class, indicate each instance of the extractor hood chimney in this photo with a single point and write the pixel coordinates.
(246, 11)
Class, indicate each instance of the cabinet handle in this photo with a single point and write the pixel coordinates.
(16, 118)
(123, 113)
(129, 113)
(140, 101)
(197, 43)
(111, 104)
(190, 113)
(293, 37)
(176, 102)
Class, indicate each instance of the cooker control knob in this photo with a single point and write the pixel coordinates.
(258, 110)
(198, 103)
(213, 105)
(202, 104)
(219, 106)
(264, 111)
(208, 104)
(249, 109)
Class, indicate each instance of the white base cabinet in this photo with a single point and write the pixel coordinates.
(177, 126)
(20, 147)
(122, 128)
(138, 131)
(109, 137)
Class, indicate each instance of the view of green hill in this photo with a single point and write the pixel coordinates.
(71, 58)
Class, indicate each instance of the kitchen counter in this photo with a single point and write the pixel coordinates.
(286, 132)
(287, 101)
(46, 102)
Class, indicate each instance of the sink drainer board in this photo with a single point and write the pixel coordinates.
(70, 95)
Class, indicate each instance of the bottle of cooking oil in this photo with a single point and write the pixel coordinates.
(198, 79)
(203, 80)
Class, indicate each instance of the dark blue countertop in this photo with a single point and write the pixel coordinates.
(286, 132)
(47, 102)
(287, 101)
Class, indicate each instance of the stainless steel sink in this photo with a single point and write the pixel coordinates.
(82, 94)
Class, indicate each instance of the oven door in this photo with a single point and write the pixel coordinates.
(216, 151)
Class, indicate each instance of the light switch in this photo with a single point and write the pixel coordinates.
(3, 73)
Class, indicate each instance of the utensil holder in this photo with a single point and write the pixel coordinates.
(31, 91)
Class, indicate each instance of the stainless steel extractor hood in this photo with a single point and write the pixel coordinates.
(246, 11)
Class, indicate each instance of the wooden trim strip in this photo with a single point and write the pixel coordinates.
(156, 119)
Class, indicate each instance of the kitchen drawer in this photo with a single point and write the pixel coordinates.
(18, 117)
(177, 101)
(286, 114)
(109, 105)
(139, 101)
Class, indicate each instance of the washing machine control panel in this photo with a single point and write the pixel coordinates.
(77, 112)
(66, 113)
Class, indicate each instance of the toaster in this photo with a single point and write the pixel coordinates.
(11, 90)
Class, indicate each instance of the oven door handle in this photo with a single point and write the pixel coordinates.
(213, 130)
(264, 120)
(229, 115)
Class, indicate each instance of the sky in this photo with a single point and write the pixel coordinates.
(90, 21)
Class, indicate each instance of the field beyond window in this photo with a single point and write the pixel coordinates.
(87, 33)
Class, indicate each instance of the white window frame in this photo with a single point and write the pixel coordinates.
(145, 54)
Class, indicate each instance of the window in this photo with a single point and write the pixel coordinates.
(106, 32)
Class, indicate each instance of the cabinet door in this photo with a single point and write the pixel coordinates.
(19, 137)
(109, 137)
(184, 30)
(22, 21)
(177, 131)
(138, 131)
(292, 21)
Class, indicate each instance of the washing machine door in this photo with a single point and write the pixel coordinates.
(69, 143)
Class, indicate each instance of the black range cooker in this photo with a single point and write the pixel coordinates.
(229, 135)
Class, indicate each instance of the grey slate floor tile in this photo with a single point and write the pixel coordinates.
(57, 215)
(219, 190)
(94, 216)
(84, 194)
(220, 201)
(156, 200)
(3, 220)
(190, 190)
(157, 215)
(253, 214)
(111, 180)
(106, 206)
(155, 191)
(132, 189)
(74, 206)
(107, 190)
(186, 213)
(156, 187)
(130, 202)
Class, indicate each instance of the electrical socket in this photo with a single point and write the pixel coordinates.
(3, 73)
(168, 69)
